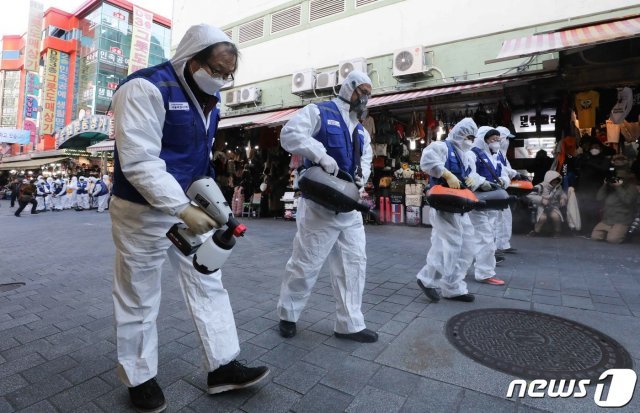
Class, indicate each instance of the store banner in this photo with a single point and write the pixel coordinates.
(100, 124)
(140, 39)
(30, 125)
(109, 58)
(61, 96)
(526, 121)
(50, 93)
(34, 34)
(31, 91)
(19, 136)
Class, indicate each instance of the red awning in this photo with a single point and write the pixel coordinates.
(256, 119)
(408, 96)
(567, 39)
(277, 118)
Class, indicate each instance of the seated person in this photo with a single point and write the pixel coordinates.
(550, 199)
(620, 198)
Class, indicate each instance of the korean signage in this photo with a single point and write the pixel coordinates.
(105, 93)
(32, 87)
(50, 93)
(34, 31)
(61, 96)
(89, 124)
(110, 58)
(30, 125)
(8, 135)
(140, 39)
(526, 121)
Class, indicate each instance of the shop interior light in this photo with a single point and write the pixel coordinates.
(412, 144)
(256, 147)
(422, 141)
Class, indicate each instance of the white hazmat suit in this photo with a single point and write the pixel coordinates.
(451, 251)
(70, 200)
(322, 233)
(139, 232)
(484, 222)
(504, 224)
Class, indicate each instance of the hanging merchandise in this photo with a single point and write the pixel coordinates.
(586, 104)
(430, 120)
(481, 117)
(369, 124)
(623, 105)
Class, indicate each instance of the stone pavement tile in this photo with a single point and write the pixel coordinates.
(376, 316)
(283, 355)
(268, 339)
(42, 407)
(88, 408)
(258, 325)
(478, 402)
(344, 344)
(370, 299)
(191, 340)
(324, 327)
(418, 304)
(300, 377)
(322, 399)
(33, 393)
(5, 407)
(325, 355)
(386, 292)
(168, 335)
(576, 291)
(548, 283)
(312, 315)
(491, 290)
(523, 408)
(545, 299)
(116, 400)
(605, 299)
(369, 351)
(174, 370)
(399, 299)
(517, 294)
(411, 290)
(272, 398)
(373, 400)
(26, 319)
(213, 403)
(249, 313)
(11, 383)
(351, 375)
(389, 307)
(40, 346)
(45, 370)
(393, 327)
(180, 394)
(73, 322)
(243, 335)
(433, 396)
(577, 302)
(23, 363)
(519, 282)
(111, 377)
(80, 394)
(99, 348)
(171, 351)
(37, 334)
(405, 316)
(544, 291)
(250, 352)
(306, 339)
(604, 292)
(446, 309)
(194, 356)
(8, 342)
(392, 285)
(11, 308)
(87, 369)
(396, 381)
(610, 308)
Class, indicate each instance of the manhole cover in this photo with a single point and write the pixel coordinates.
(8, 287)
(535, 345)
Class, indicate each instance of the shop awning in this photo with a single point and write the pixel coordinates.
(104, 146)
(278, 118)
(419, 94)
(29, 164)
(253, 120)
(568, 39)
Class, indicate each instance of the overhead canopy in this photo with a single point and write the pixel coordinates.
(568, 39)
(255, 119)
(278, 118)
(104, 146)
(84, 132)
(30, 163)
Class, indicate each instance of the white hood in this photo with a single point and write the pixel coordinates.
(460, 131)
(351, 82)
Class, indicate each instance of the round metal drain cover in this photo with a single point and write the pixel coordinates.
(8, 287)
(535, 345)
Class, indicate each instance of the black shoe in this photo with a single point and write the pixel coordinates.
(234, 376)
(499, 259)
(148, 397)
(34, 212)
(363, 336)
(431, 293)
(16, 214)
(509, 250)
(287, 328)
(466, 298)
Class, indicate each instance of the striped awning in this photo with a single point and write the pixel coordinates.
(254, 120)
(567, 39)
(278, 118)
(419, 94)
(30, 163)
(104, 146)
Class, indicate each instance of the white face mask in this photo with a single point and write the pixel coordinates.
(209, 85)
(595, 152)
(494, 146)
(467, 145)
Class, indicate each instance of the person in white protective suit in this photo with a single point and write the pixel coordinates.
(91, 186)
(58, 192)
(485, 163)
(329, 134)
(41, 194)
(165, 118)
(451, 251)
(70, 200)
(101, 193)
(82, 194)
(504, 224)
(48, 185)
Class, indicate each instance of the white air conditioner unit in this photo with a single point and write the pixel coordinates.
(327, 80)
(347, 66)
(302, 81)
(232, 98)
(409, 62)
(250, 94)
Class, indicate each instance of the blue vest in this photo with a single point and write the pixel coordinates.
(454, 165)
(82, 187)
(502, 159)
(486, 168)
(103, 188)
(186, 144)
(334, 135)
(57, 188)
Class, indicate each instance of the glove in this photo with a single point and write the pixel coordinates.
(197, 220)
(503, 183)
(469, 181)
(486, 186)
(329, 164)
(451, 179)
(359, 181)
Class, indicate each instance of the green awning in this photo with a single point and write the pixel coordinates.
(29, 163)
(82, 140)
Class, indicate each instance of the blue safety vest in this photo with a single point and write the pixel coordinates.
(454, 165)
(57, 188)
(186, 144)
(334, 135)
(82, 188)
(486, 169)
(103, 188)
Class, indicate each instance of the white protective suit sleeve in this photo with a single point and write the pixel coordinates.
(433, 159)
(367, 157)
(140, 114)
(297, 138)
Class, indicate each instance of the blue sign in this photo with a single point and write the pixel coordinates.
(8, 135)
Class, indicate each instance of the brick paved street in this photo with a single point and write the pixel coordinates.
(57, 351)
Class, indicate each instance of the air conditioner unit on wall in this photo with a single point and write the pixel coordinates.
(232, 98)
(347, 66)
(250, 94)
(409, 62)
(302, 81)
(327, 80)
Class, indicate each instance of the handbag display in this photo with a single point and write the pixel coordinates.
(385, 182)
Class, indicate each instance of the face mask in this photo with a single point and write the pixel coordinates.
(595, 152)
(467, 145)
(206, 83)
(359, 105)
(494, 146)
